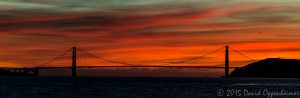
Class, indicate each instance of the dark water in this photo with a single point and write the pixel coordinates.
(104, 87)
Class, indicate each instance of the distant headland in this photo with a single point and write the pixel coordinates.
(270, 68)
(4, 72)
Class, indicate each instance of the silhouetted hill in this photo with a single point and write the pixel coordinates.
(270, 68)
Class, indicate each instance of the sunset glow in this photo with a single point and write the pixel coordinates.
(148, 32)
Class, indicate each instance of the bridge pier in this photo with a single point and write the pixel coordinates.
(36, 72)
(25, 70)
(15, 71)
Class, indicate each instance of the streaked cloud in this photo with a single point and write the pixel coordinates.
(128, 30)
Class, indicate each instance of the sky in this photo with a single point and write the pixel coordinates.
(147, 31)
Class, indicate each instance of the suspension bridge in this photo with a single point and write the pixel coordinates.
(75, 58)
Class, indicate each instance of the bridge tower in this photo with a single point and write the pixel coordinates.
(226, 61)
(74, 73)
(36, 71)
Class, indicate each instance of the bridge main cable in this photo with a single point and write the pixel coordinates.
(112, 61)
(242, 54)
(183, 61)
(56, 58)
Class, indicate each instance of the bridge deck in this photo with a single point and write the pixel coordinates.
(212, 67)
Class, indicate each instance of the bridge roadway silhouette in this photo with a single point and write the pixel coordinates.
(75, 56)
(158, 66)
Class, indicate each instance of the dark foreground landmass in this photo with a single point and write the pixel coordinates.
(270, 68)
